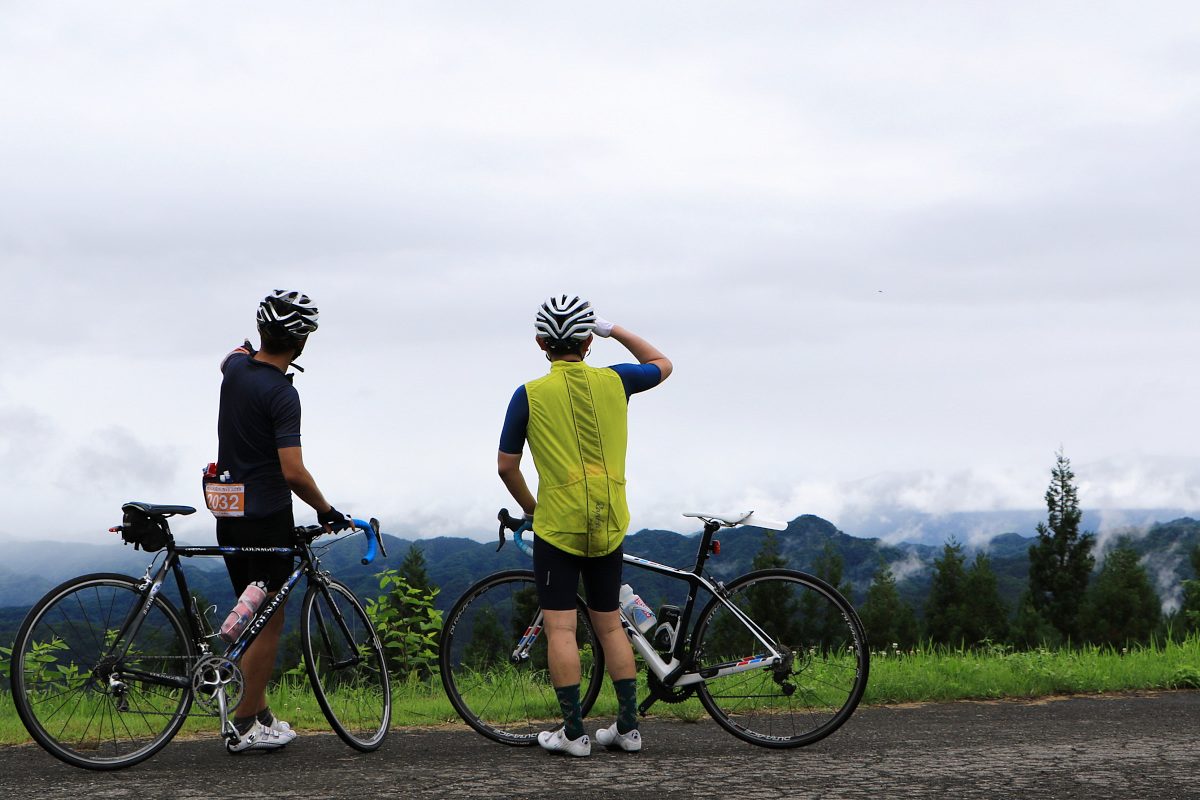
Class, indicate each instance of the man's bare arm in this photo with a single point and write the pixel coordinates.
(642, 350)
(300, 480)
(509, 467)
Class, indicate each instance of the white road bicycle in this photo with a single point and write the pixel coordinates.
(777, 657)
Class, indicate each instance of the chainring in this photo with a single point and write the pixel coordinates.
(673, 694)
(214, 674)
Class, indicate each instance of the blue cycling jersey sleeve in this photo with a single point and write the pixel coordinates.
(638, 377)
(516, 422)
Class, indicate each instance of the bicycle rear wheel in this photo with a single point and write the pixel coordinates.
(91, 695)
(508, 700)
(346, 666)
(825, 667)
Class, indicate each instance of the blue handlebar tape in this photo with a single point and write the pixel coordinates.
(525, 546)
(372, 545)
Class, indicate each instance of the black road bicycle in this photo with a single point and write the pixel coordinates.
(777, 657)
(105, 669)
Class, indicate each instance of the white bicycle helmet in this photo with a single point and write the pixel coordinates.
(565, 321)
(288, 314)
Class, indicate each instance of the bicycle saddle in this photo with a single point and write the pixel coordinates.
(161, 511)
(748, 518)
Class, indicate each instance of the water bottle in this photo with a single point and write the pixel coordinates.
(244, 611)
(636, 610)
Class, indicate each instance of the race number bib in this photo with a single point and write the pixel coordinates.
(225, 499)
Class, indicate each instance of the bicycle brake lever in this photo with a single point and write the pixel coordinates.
(503, 513)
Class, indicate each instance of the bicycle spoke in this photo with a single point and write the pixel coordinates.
(62, 686)
(817, 686)
(509, 703)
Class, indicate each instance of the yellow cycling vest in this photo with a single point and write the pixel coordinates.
(577, 434)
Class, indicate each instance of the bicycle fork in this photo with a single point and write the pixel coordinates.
(520, 653)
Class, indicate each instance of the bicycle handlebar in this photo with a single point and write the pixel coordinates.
(518, 527)
(370, 528)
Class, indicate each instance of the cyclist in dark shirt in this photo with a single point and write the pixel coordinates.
(259, 465)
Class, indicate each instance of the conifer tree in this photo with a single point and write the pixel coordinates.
(985, 614)
(415, 571)
(829, 567)
(1061, 560)
(944, 610)
(887, 617)
(1121, 607)
(1189, 610)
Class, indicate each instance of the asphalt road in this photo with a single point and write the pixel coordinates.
(1143, 746)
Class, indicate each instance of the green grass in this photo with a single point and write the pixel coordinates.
(942, 674)
(937, 674)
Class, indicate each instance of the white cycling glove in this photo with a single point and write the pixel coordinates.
(603, 328)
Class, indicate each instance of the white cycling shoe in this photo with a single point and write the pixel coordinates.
(630, 742)
(259, 737)
(282, 727)
(557, 742)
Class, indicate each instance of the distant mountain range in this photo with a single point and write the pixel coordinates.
(30, 569)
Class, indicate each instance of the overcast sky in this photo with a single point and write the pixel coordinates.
(899, 253)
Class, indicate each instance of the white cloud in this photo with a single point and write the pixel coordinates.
(898, 255)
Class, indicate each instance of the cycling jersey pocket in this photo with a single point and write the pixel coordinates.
(594, 505)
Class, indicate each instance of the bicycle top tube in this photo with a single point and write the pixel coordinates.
(370, 529)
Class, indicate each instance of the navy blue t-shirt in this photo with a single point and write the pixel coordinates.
(260, 413)
(635, 377)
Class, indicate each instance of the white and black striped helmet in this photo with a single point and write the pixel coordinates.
(565, 320)
(289, 314)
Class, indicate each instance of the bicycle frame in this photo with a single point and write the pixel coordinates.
(674, 672)
(155, 578)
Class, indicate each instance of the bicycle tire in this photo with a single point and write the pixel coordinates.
(809, 696)
(346, 666)
(506, 702)
(84, 706)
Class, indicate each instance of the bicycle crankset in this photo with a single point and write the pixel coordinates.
(668, 694)
(215, 674)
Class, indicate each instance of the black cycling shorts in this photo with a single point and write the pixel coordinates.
(557, 574)
(273, 530)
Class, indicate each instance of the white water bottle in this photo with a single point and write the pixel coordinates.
(243, 611)
(635, 610)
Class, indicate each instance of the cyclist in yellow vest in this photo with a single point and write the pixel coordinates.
(574, 420)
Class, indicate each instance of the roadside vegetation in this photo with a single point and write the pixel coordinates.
(928, 674)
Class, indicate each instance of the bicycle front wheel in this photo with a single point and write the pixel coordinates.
(345, 663)
(823, 673)
(503, 693)
(88, 690)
